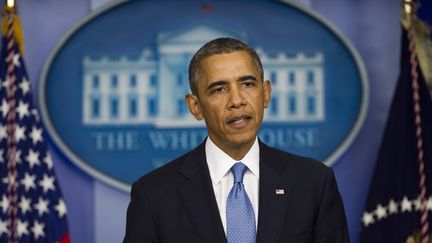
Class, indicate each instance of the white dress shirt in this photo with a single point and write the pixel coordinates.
(220, 164)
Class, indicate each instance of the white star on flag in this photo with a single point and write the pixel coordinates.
(4, 203)
(28, 181)
(18, 156)
(406, 205)
(429, 203)
(41, 206)
(36, 135)
(33, 158)
(417, 203)
(15, 60)
(48, 161)
(35, 114)
(392, 207)
(22, 110)
(4, 108)
(22, 228)
(47, 183)
(24, 204)
(9, 179)
(19, 133)
(368, 218)
(5, 83)
(61, 208)
(3, 227)
(3, 132)
(25, 86)
(38, 229)
(380, 212)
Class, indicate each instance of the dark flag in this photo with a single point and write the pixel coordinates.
(31, 205)
(399, 201)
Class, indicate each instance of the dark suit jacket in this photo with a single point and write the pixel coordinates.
(176, 203)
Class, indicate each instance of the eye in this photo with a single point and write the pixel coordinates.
(248, 83)
(218, 90)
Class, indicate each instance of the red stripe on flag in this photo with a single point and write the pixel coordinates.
(64, 239)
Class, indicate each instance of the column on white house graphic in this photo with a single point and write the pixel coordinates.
(297, 86)
(119, 91)
(173, 80)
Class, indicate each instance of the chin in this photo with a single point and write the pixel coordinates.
(242, 140)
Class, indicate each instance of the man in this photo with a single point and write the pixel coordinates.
(233, 188)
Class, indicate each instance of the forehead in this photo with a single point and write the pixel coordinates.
(228, 64)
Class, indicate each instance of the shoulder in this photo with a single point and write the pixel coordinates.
(312, 179)
(303, 168)
(170, 174)
(160, 176)
(286, 159)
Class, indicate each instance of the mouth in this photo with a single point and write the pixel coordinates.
(239, 121)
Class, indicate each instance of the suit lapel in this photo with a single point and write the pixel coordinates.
(272, 205)
(198, 197)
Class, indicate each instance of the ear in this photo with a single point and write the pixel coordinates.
(194, 106)
(267, 93)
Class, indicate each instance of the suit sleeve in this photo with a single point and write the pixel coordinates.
(331, 225)
(140, 222)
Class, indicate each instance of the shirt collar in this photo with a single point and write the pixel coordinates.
(220, 163)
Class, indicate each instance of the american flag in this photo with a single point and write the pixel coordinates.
(31, 205)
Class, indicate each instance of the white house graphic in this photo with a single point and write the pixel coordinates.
(151, 89)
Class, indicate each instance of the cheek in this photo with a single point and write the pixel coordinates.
(213, 116)
(215, 109)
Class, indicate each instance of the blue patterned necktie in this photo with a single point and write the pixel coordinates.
(240, 214)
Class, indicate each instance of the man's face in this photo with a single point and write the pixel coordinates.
(231, 99)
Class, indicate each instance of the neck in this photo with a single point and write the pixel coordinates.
(235, 151)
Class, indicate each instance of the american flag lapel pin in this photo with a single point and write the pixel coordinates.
(280, 191)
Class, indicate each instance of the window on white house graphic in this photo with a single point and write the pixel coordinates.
(153, 80)
(95, 106)
(95, 100)
(292, 103)
(95, 82)
(310, 78)
(179, 80)
(311, 104)
(133, 81)
(133, 106)
(273, 105)
(273, 78)
(291, 78)
(114, 106)
(114, 81)
(181, 107)
(152, 107)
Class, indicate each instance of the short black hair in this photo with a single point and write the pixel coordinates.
(219, 46)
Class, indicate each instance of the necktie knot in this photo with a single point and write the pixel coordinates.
(238, 170)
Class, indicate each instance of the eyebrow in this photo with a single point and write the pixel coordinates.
(216, 83)
(223, 82)
(247, 77)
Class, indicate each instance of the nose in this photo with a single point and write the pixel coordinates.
(236, 98)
